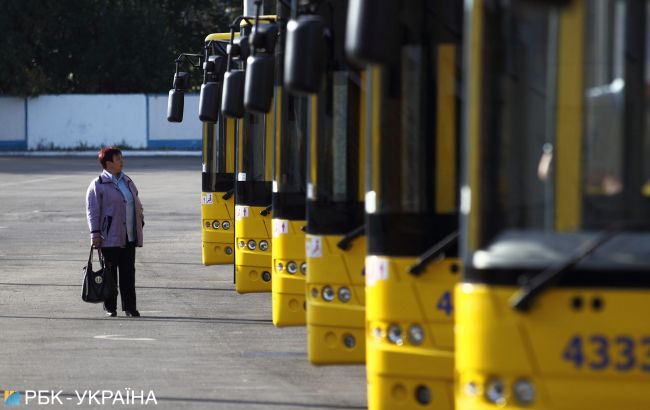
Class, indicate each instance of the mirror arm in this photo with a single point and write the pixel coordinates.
(221, 48)
(205, 71)
(230, 44)
(258, 9)
(185, 57)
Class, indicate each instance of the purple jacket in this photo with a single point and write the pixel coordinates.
(106, 212)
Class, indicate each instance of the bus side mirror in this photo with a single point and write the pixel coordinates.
(258, 92)
(304, 55)
(175, 105)
(210, 97)
(242, 47)
(210, 102)
(372, 31)
(232, 98)
(176, 99)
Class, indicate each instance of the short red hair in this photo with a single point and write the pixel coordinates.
(107, 154)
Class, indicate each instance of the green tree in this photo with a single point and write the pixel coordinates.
(102, 46)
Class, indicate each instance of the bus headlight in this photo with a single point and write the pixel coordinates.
(242, 244)
(377, 333)
(291, 267)
(423, 395)
(328, 294)
(264, 245)
(215, 224)
(303, 268)
(395, 335)
(228, 250)
(225, 225)
(207, 224)
(279, 267)
(349, 341)
(495, 392)
(524, 391)
(416, 335)
(471, 389)
(252, 245)
(345, 294)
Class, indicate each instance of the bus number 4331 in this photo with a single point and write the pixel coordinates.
(599, 352)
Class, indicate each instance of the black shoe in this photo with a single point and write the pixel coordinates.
(132, 313)
(111, 313)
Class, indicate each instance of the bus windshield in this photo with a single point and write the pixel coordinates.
(334, 180)
(253, 149)
(291, 167)
(564, 141)
(218, 157)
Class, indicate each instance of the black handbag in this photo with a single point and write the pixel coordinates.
(97, 285)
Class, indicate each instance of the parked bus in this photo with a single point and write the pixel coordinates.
(289, 194)
(335, 242)
(254, 151)
(412, 196)
(218, 179)
(555, 207)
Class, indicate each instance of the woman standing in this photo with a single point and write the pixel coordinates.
(115, 219)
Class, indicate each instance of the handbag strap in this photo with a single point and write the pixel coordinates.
(90, 258)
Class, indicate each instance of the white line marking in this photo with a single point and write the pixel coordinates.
(121, 337)
(29, 181)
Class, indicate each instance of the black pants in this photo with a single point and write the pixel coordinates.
(121, 260)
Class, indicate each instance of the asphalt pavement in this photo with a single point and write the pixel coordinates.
(198, 344)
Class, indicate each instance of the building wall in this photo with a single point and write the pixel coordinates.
(13, 120)
(91, 120)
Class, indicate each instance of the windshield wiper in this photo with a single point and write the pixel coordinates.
(433, 253)
(228, 194)
(266, 210)
(526, 295)
(351, 236)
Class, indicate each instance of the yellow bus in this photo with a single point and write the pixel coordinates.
(412, 197)
(254, 151)
(554, 207)
(335, 243)
(289, 192)
(218, 177)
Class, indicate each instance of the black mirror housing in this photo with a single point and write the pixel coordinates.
(232, 98)
(372, 31)
(240, 48)
(215, 67)
(175, 105)
(264, 37)
(258, 92)
(181, 81)
(304, 55)
(210, 102)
